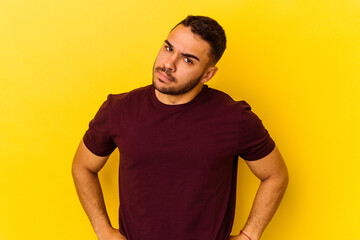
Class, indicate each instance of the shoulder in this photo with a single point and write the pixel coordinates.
(223, 100)
(130, 97)
(222, 97)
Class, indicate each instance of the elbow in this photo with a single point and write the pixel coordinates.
(283, 180)
(80, 172)
(75, 171)
(285, 175)
(279, 181)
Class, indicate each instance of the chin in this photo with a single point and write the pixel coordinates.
(163, 89)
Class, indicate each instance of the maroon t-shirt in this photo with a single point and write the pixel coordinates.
(177, 176)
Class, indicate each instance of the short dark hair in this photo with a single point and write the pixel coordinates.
(209, 30)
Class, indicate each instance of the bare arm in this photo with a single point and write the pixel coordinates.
(85, 168)
(272, 172)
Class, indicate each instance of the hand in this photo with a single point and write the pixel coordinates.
(113, 234)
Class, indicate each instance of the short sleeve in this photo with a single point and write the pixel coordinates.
(255, 141)
(98, 137)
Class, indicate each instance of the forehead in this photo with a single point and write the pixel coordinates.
(186, 41)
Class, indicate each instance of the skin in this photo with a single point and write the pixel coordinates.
(180, 70)
(85, 168)
(272, 172)
(174, 69)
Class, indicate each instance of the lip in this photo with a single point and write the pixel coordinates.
(164, 77)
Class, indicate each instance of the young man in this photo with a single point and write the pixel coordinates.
(179, 143)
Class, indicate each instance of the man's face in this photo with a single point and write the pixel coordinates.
(181, 62)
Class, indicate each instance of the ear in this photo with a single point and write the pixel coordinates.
(210, 72)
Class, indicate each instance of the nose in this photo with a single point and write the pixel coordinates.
(170, 63)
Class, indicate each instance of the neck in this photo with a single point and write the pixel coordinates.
(179, 99)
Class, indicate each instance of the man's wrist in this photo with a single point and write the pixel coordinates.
(239, 237)
(111, 233)
(103, 230)
(249, 234)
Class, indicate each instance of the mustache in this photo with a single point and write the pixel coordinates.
(166, 71)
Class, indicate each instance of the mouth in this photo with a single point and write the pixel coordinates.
(164, 77)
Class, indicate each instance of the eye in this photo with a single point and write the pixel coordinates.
(187, 60)
(168, 48)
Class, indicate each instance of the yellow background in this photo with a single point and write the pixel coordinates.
(297, 63)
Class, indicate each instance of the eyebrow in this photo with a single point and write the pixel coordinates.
(184, 54)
